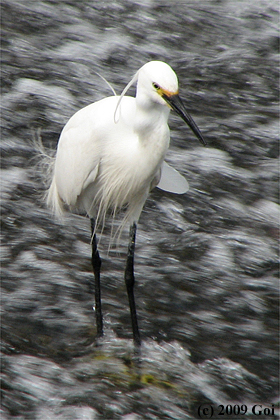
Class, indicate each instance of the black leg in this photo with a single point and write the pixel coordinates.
(96, 265)
(129, 281)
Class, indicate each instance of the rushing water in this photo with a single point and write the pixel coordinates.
(206, 262)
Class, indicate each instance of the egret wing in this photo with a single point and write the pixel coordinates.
(172, 181)
(78, 155)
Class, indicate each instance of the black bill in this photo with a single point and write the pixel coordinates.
(177, 105)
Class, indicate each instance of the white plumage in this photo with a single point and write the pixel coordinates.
(104, 164)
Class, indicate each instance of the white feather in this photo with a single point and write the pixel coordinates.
(102, 164)
(172, 181)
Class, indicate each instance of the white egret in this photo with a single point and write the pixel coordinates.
(110, 155)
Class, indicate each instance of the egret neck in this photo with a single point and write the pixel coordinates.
(150, 123)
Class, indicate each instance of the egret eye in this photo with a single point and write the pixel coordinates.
(156, 86)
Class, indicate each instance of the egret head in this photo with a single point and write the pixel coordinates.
(157, 82)
(156, 79)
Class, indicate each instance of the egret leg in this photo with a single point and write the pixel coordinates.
(129, 281)
(96, 265)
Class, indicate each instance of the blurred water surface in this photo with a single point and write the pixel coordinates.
(206, 262)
